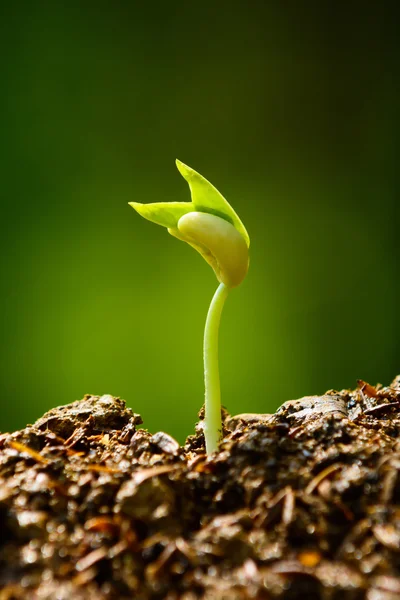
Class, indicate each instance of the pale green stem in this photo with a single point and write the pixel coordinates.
(212, 420)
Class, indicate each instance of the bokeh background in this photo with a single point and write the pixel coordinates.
(290, 109)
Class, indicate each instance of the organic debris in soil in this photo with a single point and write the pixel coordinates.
(302, 504)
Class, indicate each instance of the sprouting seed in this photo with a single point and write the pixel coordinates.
(210, 225)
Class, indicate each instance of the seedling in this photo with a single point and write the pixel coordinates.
(210, 225)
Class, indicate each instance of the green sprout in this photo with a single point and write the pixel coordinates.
(210, 225)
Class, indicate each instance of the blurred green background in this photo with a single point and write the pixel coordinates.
(290, 109)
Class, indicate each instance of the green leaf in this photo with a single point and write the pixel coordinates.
(206, 198)
(166, 214)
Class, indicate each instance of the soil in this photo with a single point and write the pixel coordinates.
(302, 504)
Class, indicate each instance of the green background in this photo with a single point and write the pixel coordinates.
(290, 109)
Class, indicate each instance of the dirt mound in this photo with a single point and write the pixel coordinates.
(304, 504)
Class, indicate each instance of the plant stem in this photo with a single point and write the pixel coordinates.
(212, 420)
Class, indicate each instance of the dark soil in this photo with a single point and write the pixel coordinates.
(301, 504)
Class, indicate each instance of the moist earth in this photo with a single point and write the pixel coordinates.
(301, 504)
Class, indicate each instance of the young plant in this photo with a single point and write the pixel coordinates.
(211, 226)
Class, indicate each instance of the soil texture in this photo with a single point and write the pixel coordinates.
(301, 504)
